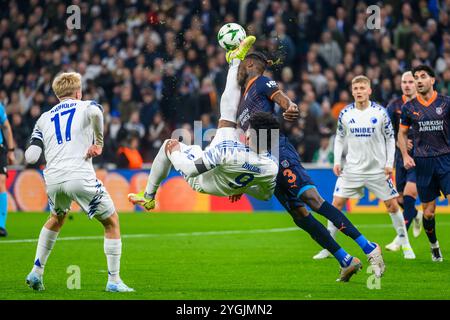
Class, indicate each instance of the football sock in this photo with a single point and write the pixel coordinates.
(399, 225)
(3, 209)
(319, 233)
(339, 220)
(429, 224)
(159, 171)
(337, 217)
(343, 257)
(365, 245)
(410, 211)
(47, 239)
(113, 251)
(229, 102)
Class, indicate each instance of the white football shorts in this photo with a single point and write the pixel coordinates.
(90, 194)
(194, 152)
(353, 187)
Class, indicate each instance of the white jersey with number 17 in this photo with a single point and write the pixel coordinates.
(67, 134)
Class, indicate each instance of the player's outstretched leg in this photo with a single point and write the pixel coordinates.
(324, 253)
(47, 238)
(231, 95)
(113, 252)
(159, 171)
(371, 249)
(349, 265)
(241, 51)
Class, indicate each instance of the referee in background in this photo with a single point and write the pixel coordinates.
(6, 157)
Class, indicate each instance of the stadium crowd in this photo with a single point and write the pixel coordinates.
(155, 66)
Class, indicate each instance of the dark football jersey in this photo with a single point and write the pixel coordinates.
(257, 97)
(429, 121)
(394, 110)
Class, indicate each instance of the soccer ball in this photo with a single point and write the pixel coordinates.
(230, 36)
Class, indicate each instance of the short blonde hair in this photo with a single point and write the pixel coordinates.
(358, 79)
(66, 84)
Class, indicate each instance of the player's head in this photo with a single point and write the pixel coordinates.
(361, 89)
(67, 85)
(424, 78)
(263, 129)
(254, 64)
(408, 86)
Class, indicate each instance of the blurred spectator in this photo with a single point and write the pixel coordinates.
(128, 156)
(134, 125)
(324, 155)
(158, 131)
(156, 65)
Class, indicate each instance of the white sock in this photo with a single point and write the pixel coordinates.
(113, 251)
(398, 222)
(47, 239)
(434, 245)
(159, 171)
(332, 229)
(231, 95)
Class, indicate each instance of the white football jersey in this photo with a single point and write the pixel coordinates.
(234, 169)
(67, 134)
(369, 137)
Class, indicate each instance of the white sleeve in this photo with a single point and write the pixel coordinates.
(183, 165)
(32, 154)
(210, 159)
(95, 115)
(214, 156)
(37, 132)
(389, 135)
(339, 141)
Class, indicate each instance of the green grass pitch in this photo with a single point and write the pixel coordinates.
(217, 256)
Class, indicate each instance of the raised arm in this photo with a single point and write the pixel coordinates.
(291, 111)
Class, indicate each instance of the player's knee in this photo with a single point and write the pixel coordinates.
(429, 210)
(410, 190)
(111, 223)
(55, 222)
(312, 198)
(338, 203)
(298, 213)
(391, 205)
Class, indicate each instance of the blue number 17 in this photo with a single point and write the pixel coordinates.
(56, 120)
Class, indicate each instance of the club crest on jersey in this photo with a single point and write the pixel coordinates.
(285, 163)
(439, 110)
(374, 120)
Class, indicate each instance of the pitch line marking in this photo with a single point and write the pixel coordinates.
(158, 235)
(199, 233)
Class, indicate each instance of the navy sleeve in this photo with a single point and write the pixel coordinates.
(405, 119)
(267, 86)
(390, 109)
